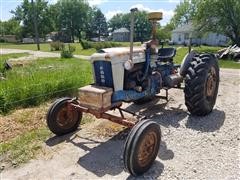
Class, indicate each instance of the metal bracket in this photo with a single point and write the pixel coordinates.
(166, 96)
(139, 117)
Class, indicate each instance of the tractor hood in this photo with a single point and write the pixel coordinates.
(119, 55)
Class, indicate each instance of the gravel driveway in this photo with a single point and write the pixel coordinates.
(36, 54)
(191, 148)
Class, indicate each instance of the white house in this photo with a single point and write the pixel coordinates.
(181, 35)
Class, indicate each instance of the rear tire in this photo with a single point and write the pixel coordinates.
(141, 147)
(201, 84)
(60, 120)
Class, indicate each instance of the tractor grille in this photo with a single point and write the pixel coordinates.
(103, 73)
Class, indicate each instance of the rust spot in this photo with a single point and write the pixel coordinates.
(107, 57)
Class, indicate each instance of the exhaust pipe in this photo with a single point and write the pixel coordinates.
(128, 65)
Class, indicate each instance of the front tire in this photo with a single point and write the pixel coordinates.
(60, 119)
(141, 147)
(201, 84)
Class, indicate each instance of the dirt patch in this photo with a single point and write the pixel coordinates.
(21, 121)
(24, 120)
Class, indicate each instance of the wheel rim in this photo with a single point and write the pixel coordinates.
(66, 118)
(211, 82)
(147, 148)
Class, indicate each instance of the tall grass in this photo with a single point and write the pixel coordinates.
(5, 57)
(43, 80)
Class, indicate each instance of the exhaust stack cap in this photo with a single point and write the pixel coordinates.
(134, 9)
(155, 16)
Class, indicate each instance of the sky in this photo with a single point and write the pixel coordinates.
(108, 7)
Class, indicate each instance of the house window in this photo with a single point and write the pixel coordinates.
(186, 36)
(179, 38)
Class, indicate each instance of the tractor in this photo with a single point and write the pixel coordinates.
(137, 75)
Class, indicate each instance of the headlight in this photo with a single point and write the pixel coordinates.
(128, 65)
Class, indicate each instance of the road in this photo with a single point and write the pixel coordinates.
(36, 54)
(191, 148)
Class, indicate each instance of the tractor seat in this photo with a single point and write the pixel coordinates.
(166, 54)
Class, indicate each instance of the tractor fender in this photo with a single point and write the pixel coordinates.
(186, 62)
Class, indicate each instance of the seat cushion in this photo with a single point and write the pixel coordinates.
(166, 53)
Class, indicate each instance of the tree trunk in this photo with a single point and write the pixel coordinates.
(99, 35)
(79, 37)
(237, 40)
(72, 35)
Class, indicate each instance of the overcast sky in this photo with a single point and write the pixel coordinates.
(108, 7)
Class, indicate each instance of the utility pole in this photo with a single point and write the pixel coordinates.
(35, 25)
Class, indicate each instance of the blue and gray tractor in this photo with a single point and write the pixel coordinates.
(137, 75)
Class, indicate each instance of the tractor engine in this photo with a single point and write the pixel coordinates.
(127, 85)
(136, 73)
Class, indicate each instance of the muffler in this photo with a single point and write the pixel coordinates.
(128, 65)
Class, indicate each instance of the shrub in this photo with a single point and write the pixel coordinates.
(2, 41)
(57, 46)
(99, 45)
(85, 44)
(71, 48)
(68, 52)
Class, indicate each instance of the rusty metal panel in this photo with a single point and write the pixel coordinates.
(95, 97)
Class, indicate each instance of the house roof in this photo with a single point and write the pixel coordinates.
(121, 30)
(184, 28)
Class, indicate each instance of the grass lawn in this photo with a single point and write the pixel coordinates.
(42, 80)
(46, 47)
(5, 57)
(222, 63)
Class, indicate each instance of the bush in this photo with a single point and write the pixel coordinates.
(85, 44)
(99, 45)
(57, 46)
(68, 53)
(2, 41)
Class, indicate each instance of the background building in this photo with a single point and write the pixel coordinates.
(121, 35)
(181, 35)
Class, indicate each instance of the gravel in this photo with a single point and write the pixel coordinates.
(33, 55)
(191, 148)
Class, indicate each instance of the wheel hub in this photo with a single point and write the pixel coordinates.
(211, 82)
(66, 118)
(147, 149)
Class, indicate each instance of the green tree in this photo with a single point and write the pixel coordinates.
(53, 16)
(222, 16)
(89, 33)
(99, 24)
(142, 29)
(11, 27)
(24, 13)
(73, 16)
(143, 26)
(164, 33)
(184, 12)
(116, 22)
